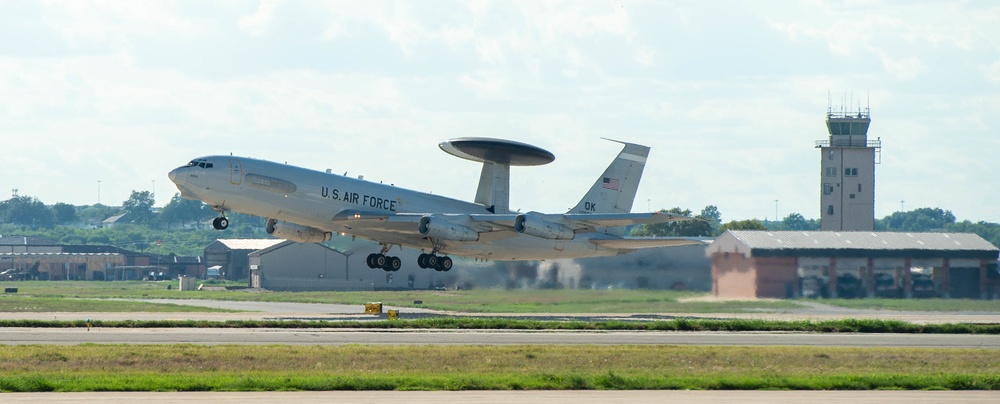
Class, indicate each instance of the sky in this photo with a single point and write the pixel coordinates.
(100, 98)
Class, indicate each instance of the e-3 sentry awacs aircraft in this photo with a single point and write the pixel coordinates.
(308, 206)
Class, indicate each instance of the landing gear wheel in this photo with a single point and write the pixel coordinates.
(220, 223)
(371, 260)
(379, 261)
(392, 264)
(444, 264)
(432, 261)
(422, 260)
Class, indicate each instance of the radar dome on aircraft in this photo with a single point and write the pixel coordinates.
(509, 152)
(497, 156)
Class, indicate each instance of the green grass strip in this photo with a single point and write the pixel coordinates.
(830, 326)
(92, 367)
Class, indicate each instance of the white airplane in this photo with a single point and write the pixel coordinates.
(308, 206)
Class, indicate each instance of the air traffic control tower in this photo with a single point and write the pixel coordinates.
(848, 172)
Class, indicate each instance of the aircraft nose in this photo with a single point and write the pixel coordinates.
(173, 175)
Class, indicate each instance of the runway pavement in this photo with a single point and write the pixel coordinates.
(303, 311)
(335, 312)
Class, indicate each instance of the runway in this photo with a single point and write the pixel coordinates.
(333, 312)
(255, 311)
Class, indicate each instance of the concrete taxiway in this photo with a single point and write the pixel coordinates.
(338, 312)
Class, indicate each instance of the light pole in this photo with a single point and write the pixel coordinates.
(347, 266)
(98, 192)
(775, 210)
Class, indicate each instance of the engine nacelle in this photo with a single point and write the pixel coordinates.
(440, 228)
(534, 226)
(295, 232)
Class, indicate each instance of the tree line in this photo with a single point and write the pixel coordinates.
(181, 226)
(709, 224)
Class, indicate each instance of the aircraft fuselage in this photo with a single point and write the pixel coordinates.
(321, 200)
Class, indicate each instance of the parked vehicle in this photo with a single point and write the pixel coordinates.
(849, 287)
(885, 286)
(923, 286)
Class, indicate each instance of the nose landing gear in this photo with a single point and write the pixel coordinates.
(220, 223)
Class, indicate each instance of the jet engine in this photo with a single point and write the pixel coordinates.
(295, 232)
(440, 228)
(538, 227)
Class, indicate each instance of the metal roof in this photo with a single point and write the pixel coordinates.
(249, 243)
(857, 243)
(26, 240)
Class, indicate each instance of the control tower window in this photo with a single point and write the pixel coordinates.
(850, 172)
(831, 171)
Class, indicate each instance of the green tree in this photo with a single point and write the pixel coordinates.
(96, 213)
(712, 215)
(64, 213)
(795, 221)
(749, 224)
(26, 210)
(139, 207)
(182, 210)
(685, 228)
(922, 219)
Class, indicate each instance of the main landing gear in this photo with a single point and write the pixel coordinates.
(389, 264)
(392, 264)
(442, 264)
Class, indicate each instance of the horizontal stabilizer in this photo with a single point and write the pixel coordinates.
(583, 221)
(637, 243)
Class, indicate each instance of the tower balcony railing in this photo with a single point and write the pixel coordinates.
(849, 143)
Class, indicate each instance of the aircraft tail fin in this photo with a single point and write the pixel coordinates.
(614, 191)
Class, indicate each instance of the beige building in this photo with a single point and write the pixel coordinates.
(847, 171)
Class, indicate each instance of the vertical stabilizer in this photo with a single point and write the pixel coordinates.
(494, 187)
(614, 191)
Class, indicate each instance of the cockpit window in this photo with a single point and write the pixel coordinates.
(199, 163)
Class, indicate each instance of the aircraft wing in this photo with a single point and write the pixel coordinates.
(637, 243)
(485, 224)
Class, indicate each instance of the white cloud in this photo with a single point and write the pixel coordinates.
(257, 23)
(992, 72)
(129, 90)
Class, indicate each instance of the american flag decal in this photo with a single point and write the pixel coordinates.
(610, 183)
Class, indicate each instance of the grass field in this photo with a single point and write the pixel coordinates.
(28, 304)
(245, 368)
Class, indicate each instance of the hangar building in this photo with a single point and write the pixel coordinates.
(784, 264)
(232, 255)
(292, 266)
